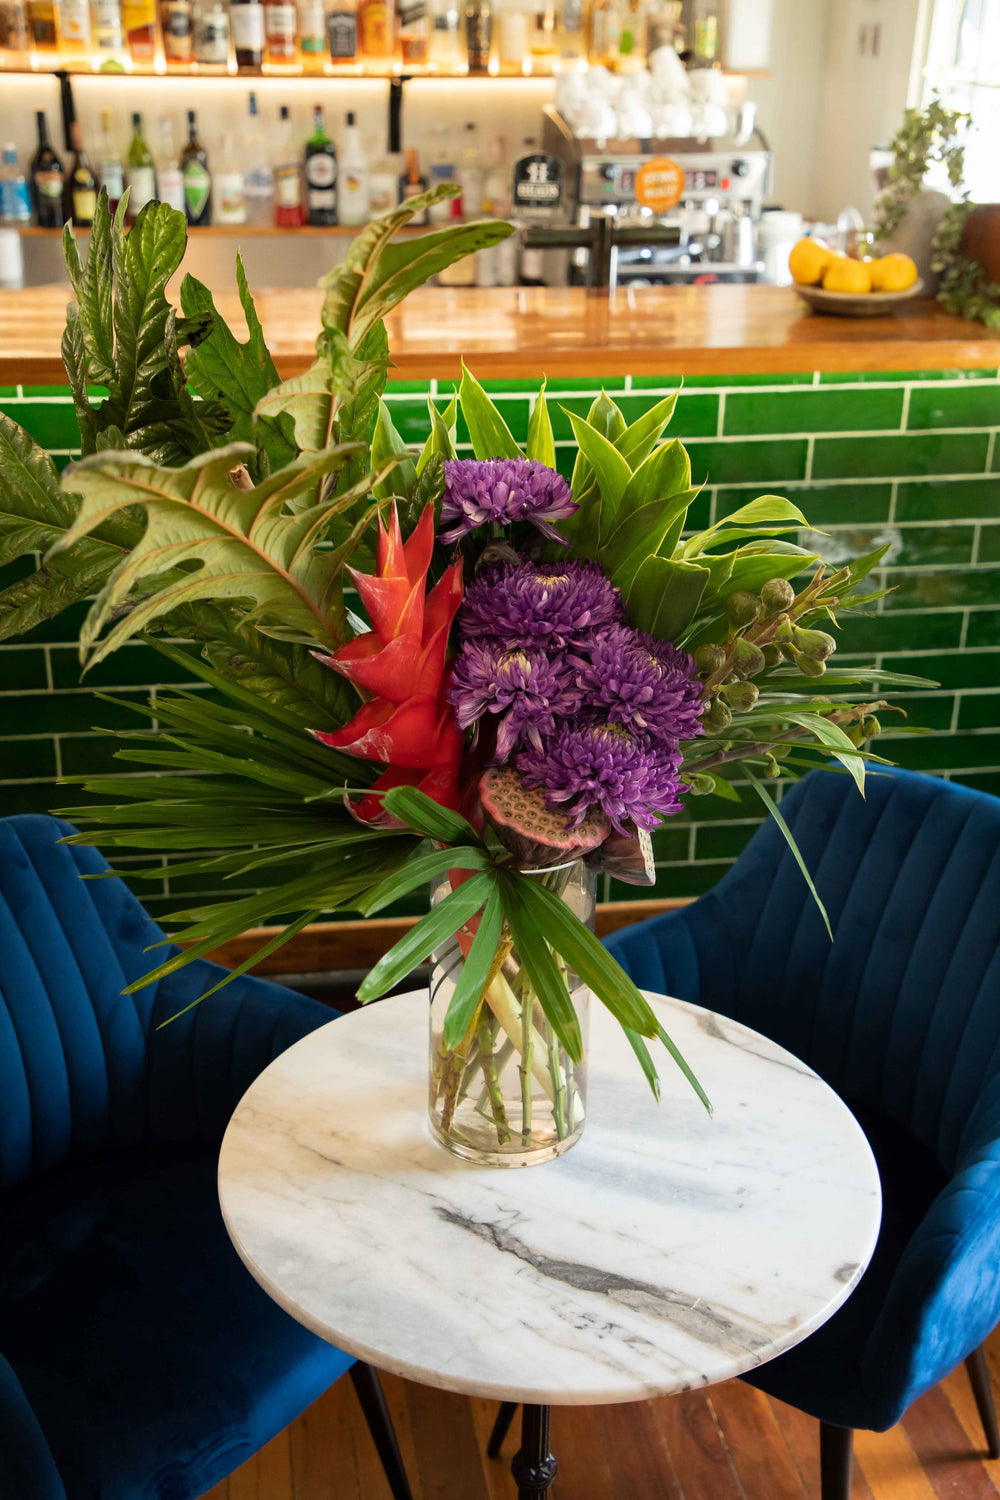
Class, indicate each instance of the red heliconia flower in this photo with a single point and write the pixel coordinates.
(400, 663)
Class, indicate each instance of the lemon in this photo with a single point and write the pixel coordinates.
(808, 260)
(893, 273)
(844, 275)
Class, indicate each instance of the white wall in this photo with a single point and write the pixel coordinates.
(789, 100)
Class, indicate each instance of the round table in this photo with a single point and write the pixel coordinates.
(666, 1250)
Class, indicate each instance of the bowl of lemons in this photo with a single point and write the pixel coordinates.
(832, 282)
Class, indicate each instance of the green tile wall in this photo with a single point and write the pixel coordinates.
(911, 459)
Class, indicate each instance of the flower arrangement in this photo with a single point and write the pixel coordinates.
(527, 674)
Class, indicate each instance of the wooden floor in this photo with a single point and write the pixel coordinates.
(727, 1443)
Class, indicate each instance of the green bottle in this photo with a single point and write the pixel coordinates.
(140, 170)
(197, 178)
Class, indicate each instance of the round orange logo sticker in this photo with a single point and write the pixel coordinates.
(659, 183)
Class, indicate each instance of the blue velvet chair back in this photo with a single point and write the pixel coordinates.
(82, 1066)
(902, 1011)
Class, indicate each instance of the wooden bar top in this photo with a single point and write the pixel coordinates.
(530, 331)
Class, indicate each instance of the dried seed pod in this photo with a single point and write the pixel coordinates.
(743, 608)
(748, 658)
(772, 655)
(701, 785)
(871, 727)
(815, 643)
(808, 665)
(719, 716)
(708, 659)
(741, 697)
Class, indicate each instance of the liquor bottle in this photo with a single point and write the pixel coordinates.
(442, 169)
(74, 27)
(353, 196)
(478, 34)
(571, 43)
(211, 34)
(14, 35)
(43, 23)
(259, 173)
(47, 179)
(412, 183)
(632, 42)
(229, 184)
(287, 176)
(15, 196)
(248, 34)
(177, 25)
(80, 192)
(376, 24)
(139, 22)
(169, 177)
(512, 36)
(705, 32)
(106, 26)
(469, 174)
(197, 178)
(321, 174)
(604, 33)
(413, 31)
(342, 31)
(447, 43)
(281, 38)
(312, 34)
(140, 170)
(542, 35)
(110, 170)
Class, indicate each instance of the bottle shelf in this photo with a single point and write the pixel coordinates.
(79, 68)
(236, 231)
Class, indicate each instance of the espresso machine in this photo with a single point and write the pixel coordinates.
(707, 235)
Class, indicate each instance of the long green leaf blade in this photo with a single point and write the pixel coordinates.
(475, 971)
(789, 838)
(440, 923)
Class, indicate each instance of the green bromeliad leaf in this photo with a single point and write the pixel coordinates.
(488, 432)
(244, 543)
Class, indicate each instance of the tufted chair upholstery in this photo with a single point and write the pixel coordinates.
(138, 1359)
(901, 1015)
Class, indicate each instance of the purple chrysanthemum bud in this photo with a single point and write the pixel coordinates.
(632, 782)
(644, 683)
(499, 491)
(528, 688)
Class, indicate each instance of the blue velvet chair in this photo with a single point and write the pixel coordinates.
(901, 1015)
(138, 1358)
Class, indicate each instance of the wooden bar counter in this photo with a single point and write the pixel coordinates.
(506, 333)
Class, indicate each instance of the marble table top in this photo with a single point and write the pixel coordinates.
(665, 1250)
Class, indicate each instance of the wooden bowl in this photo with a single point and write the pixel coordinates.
(857, 304)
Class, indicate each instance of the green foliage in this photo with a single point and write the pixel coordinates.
(245, 543)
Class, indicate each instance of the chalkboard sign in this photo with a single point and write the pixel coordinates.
(538, 181)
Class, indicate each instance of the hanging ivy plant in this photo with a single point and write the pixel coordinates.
(926, 138)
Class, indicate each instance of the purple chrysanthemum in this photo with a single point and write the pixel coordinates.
(645, 684)
(501, 490)
(634, 783)
(539, 604)
(527, 687)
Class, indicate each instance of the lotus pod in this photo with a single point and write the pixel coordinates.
(743, 608)
(625, 858)
(524, 825)
(777, 594)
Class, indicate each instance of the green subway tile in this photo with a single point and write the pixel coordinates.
(694, 416)
(51, 426)
(984, 628)
(825, 504)
(763, 463)
(63, 391)
(129, 666)
(722, 842)
(64, 628)
(864, 634)
(92, 755)
(406, 388)
(980, 711)
(699, 515)
(888, 454)
(813, 410)
(591, 384)
(19, 670)
(955, 500)
(935, 544)
(989, 544)
(845, 377)
(927, 710)
(26, 758)
(988, 781)
(948, 752)
(562, 428)
(945, 586)
(69, 713)
(717, 382)
(960, 669)
(7, 390)
(411, 421)
(671, 844)
(958, 406)
(687, 880)
(29, 797)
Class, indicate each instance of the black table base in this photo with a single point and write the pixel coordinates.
(532, 1466)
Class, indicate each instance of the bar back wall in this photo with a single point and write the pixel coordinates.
(911, 459)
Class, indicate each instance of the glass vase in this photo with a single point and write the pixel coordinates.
(508, 1095)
